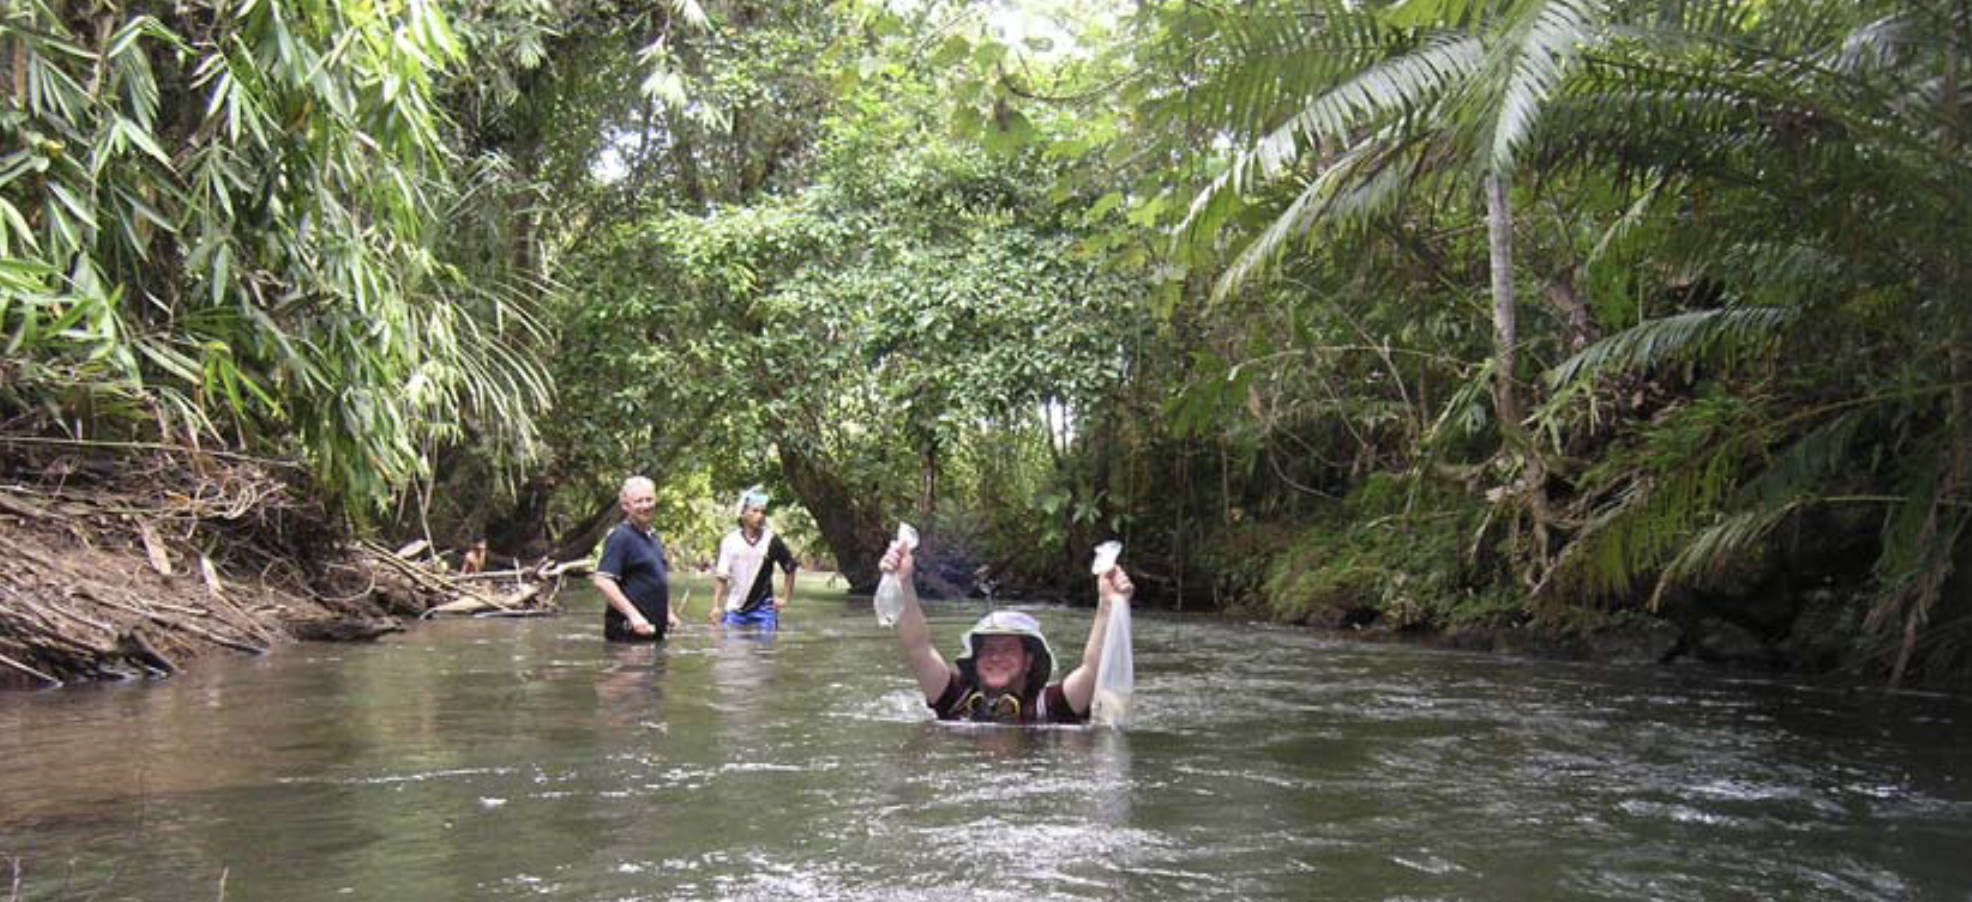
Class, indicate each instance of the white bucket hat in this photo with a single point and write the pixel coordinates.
(1009, 623)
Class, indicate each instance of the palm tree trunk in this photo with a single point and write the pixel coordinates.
(1506, 319)
(1506, 394)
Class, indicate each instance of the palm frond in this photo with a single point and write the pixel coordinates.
(1468, 411)
(1385, 90)
(1273, 56)
(1703, 514)
(1364, 180)
(1535, 57)
(1717, 548)
(1922, 544)
(1721, 335)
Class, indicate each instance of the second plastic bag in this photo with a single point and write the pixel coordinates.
(889, 592)
(1116, 670)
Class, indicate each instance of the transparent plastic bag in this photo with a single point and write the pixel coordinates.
(889, 593)
(1116, 670)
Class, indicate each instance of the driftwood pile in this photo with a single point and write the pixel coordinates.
(493, 593)
(121, 560)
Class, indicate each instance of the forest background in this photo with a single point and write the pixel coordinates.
(1629, 329)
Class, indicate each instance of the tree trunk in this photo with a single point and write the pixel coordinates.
(1506, 321)
(1506, 393)
(853, 530)
(685, 157)
(927, 491)
(522, 531)
(578, 542)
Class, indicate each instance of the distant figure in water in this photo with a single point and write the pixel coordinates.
(475, 560)
(631, 574)
(743, 579)
(1002, 671)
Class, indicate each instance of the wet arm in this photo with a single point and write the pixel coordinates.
(787, 590)
(719, 587)
(1080, 685)
(914, 636)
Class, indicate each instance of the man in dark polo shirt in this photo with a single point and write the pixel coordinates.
(631, 574)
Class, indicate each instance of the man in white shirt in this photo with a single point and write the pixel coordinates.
(743, 580)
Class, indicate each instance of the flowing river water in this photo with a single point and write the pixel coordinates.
(522, 759)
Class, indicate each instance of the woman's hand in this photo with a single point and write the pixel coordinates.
(1114, 585)
(898, 560)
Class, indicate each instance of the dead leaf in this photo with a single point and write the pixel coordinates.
(154, 548)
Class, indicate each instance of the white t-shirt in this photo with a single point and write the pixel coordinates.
(744, 567)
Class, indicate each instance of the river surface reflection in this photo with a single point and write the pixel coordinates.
(505, 759)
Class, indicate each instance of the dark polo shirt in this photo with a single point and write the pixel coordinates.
(636, 560)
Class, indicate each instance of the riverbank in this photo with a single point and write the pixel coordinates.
(1432, 569)
(130, 561)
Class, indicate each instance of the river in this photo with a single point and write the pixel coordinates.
(524, 759)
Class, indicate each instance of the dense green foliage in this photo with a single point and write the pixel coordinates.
(851, 340)
(1431, 313)
(1757, 203)
(220, 221)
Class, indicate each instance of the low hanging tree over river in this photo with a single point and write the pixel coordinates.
(850, 342)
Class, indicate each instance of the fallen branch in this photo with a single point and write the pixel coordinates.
(466, 605)
(519, 596)
(343, 629)
(547, 570)
(21, 506)
(136, 648)
(10, 662)
(492, 574)
(425, 579)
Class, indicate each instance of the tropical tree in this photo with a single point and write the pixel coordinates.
(1738, 165)
(1806, 174)
(617, 113)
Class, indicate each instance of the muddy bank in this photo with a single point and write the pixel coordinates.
(120, 561)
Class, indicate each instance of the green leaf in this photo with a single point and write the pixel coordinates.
(951, 51)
